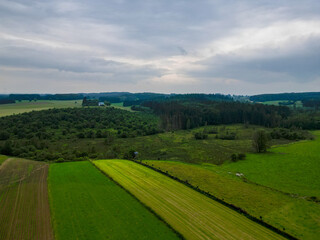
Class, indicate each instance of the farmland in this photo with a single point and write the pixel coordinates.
(24, 206)
(183, 208)
(87, 205)
(27, 106)
(292, 168)
(294, 215)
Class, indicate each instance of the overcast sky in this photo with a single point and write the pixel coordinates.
(229, 46)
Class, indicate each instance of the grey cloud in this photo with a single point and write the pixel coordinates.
(134, 42)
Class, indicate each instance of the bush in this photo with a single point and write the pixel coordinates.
(241, 156)
(227, 136)
(200, 135)
(234, 157)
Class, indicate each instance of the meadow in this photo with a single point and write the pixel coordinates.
(85, 204)
(174, 146)
(27, 106)
(192, 214)
(292, 168)
(295, 216)
(24, 205)
(297, 104)
(120, 106)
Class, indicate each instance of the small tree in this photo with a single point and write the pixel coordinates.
(260, 141)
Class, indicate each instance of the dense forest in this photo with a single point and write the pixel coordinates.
(31, 134)
(285, 96)
(188, 114)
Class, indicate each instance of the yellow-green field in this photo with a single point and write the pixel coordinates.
(26, 106)
(294, 215)
(189, 212)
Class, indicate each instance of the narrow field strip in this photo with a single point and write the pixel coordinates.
(189, 212)
(85, 204)
(24, 205)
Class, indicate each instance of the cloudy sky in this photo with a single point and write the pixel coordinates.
(229, 46)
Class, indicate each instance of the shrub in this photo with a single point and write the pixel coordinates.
(234, 157)
(200, 135)
(241, 156)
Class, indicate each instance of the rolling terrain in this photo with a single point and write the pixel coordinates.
(189, 212)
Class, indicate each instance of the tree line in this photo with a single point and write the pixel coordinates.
(188, 114)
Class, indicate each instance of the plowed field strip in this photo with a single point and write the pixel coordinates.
(24, 206)
(189, 212)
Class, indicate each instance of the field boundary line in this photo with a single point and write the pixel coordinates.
(229, 205)
(179, 235)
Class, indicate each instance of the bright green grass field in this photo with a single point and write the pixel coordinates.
(85, 204)
(298, 217)
(292, 168)
(26, 106)
(3, 158)
(276, 103)
(120, 106)
(192, 214)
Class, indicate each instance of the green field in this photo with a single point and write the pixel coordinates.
(26, 106)
(298, 217)
(85, 204)
(189, 212)
(3, 158)
(298, 104)
(292, 168)
(120, 106)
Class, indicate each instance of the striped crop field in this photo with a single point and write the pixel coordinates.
(190, 213)
(24, 205)
(85, 204)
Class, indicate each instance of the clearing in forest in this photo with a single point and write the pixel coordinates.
(192, 214)
(24, 205)
(85, 204)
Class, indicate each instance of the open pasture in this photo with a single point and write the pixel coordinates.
(292, 168)
(189, 212)
(26, 106)
(295, 216)
(88, 205)
(24, 205)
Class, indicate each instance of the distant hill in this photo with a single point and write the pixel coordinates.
(285, 96)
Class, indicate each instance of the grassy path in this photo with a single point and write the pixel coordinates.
(189, 212)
